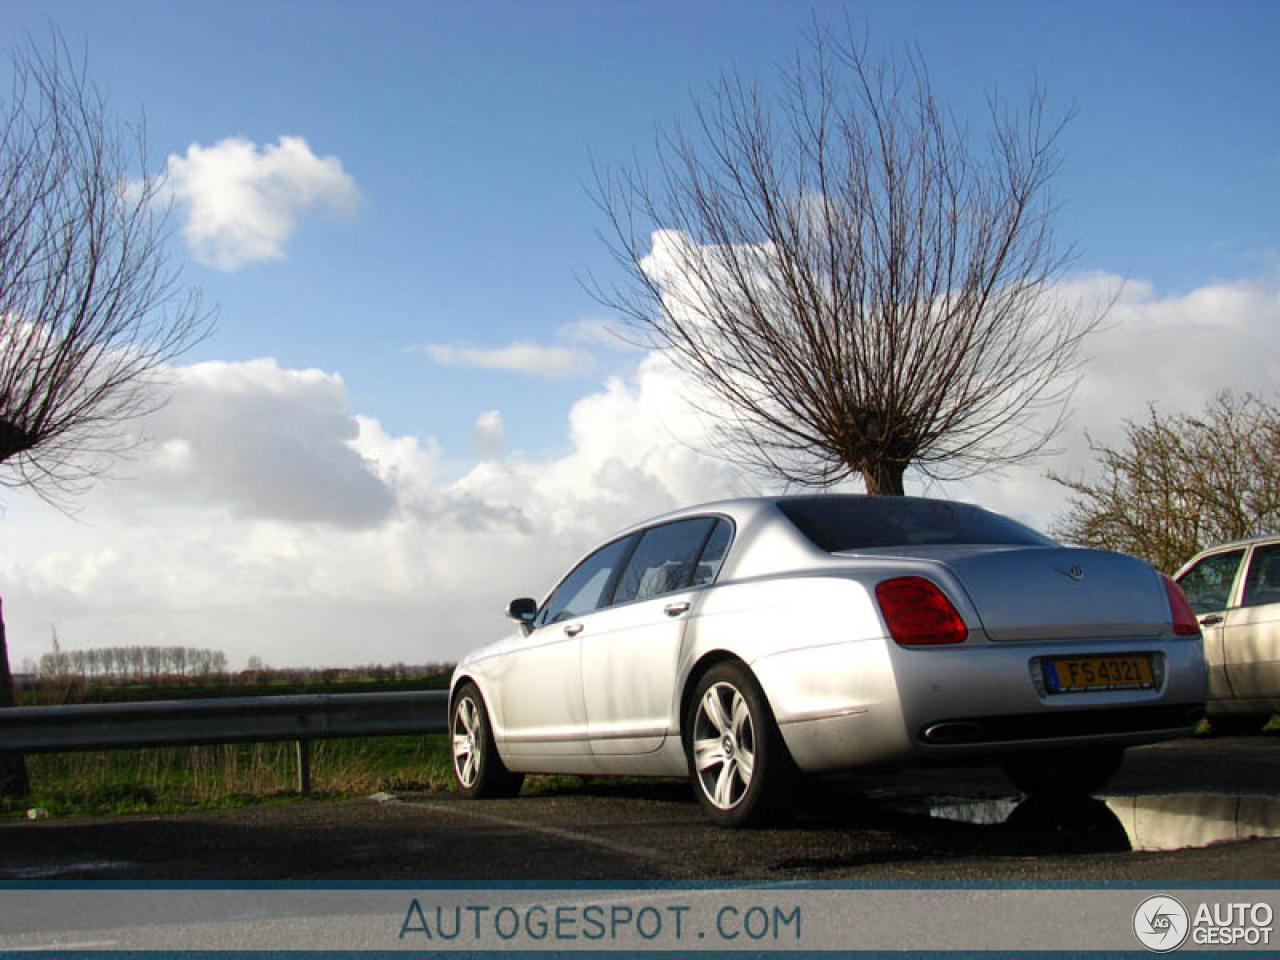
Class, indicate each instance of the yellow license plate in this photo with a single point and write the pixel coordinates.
(1076, 674)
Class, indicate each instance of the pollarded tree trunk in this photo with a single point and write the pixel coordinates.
(884, 477)
(13, 766)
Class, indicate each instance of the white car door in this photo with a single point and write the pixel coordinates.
(1209, 588)
(1251, 638)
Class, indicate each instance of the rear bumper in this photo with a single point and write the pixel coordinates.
(915, 705)
(1140, 723)
(990, 695)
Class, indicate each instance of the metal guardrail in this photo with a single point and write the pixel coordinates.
(171, 723)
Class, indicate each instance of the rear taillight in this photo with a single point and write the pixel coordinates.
(1185, 623)
(918, 613)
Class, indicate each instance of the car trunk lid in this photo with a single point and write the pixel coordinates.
(1043, 593)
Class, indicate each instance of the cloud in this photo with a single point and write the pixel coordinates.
(264, 442)
(241, 203)
(1173, 353)
(489, 436)
(266, 518)
(596, 332)
(527, 358)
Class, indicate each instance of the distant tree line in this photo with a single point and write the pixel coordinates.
(175, 663)
(375, 672)
(132, 663)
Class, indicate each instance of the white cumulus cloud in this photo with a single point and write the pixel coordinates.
(268, 519)
(242, 202)
(1172, 353)
(261, 441)
(489, 436)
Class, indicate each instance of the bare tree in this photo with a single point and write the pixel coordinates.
(1180, 483)
(856, 286)
(90, 310)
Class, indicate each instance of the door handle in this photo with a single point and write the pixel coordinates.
(677, 608)
(1211, 620)
(573, 629)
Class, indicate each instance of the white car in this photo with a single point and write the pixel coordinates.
(1235, 590)
(745, 642)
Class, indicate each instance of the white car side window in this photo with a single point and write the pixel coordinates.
(1207, 585)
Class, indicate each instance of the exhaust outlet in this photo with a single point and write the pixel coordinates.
(953, 731)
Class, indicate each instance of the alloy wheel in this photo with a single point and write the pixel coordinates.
(724, 745)
(467, 737)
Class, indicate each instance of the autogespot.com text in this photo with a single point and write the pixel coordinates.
(666, 924)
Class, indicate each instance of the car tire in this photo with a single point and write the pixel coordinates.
(739, 767)
(477, 768)
(1063, 773)
(1238, 723)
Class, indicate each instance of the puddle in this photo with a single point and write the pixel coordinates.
(1138, 823)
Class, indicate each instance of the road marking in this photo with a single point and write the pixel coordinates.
(560, 833)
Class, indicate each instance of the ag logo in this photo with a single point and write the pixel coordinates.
(1161, 923)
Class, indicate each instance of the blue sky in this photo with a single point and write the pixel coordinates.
(469, 129)
(449, 150)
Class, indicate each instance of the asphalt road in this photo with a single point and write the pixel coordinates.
(931, 826)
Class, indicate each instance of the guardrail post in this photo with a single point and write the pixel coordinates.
(304, 767)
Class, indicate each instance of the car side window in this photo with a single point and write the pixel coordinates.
(713, 553)
(1207, 585)
(1262, 582)
(590, 584)
(665, 560)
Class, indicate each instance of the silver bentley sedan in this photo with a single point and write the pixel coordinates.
(749, 642)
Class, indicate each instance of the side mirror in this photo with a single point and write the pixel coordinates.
(523, 610)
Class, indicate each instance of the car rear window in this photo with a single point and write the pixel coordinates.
(838, 524)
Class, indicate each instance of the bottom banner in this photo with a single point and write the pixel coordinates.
(856, 920)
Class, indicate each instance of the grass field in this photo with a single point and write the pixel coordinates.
(177, 778)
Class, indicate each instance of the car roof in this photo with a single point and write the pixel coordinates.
(744, 506)
(1235, 544)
